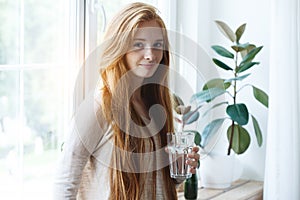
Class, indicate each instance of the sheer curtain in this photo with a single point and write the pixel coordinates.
(282, 172)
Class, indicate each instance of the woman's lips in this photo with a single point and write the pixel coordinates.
(148, 66)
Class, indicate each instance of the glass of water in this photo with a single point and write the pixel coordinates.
(179, 145)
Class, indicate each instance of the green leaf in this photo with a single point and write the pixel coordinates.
(197, 136)
(190, 117)
(239, 32)
(246, 66)
(261, 96)
(226, 31)
(240, 47)
(207, 95)
(216, 83)
(177, 100)
(238, 78)
(257, 131)
(247, 50)
(251, 55)
(241, 138)
(197, 139)
(222, 51)
(182, 109)
(238, 113)
(221, 64)
(211, 129)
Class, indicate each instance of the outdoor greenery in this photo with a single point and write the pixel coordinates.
(42, 86)
(31, 95)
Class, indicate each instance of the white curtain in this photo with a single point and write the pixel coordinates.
(282, 172)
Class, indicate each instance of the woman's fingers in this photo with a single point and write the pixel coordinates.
(192, 163)
(194, 155)
(195, 149)
(193, 170)
(193, 159)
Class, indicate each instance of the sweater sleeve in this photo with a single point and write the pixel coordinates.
(86, 131)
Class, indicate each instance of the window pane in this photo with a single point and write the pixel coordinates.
(44, 31)
(43, 107)
(9, 32)
(9, 94)
(9, 137)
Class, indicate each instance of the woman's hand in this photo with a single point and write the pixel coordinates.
(193, 160)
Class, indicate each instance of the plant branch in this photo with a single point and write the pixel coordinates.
(234, 102)
(234, 82)
(229, 94)
(243, 87)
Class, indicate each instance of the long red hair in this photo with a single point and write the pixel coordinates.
(117, 105)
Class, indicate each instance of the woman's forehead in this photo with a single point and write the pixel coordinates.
(149, 29)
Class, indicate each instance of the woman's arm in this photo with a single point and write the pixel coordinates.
(86, 131)
(70, 166)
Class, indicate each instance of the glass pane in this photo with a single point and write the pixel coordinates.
(9, 138)
(44, 31)
(43, 107)
(9, 32)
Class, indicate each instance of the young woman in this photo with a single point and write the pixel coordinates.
(117, 149)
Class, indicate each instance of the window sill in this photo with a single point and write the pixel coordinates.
(241, 189)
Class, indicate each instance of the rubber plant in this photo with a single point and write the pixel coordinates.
(240, 57)
(183, 116)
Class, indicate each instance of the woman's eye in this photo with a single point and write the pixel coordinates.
(138, 45)
(158, 45)
(141, 45)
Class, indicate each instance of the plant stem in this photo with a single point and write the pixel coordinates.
(234, 102)
(234, 82)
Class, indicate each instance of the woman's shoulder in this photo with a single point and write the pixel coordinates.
(89, 122)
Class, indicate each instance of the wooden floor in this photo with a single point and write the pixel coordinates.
(240, 190)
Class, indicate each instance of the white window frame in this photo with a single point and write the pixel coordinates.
(21, 67)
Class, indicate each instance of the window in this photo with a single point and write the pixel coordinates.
(42, 45)
(33, 61)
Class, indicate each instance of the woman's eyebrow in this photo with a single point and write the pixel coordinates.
(142, 39)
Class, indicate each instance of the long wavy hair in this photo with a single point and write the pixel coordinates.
(118, 109)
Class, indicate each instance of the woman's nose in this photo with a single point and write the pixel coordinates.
(148, 54)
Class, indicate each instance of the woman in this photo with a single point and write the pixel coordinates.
(120, 153)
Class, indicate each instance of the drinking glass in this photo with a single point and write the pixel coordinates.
(179, 145)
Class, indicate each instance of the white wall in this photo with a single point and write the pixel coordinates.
(195, 18)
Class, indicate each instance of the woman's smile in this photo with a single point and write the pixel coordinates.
(148, 66)
(146, 51)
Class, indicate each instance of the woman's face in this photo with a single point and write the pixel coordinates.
(146, 50)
